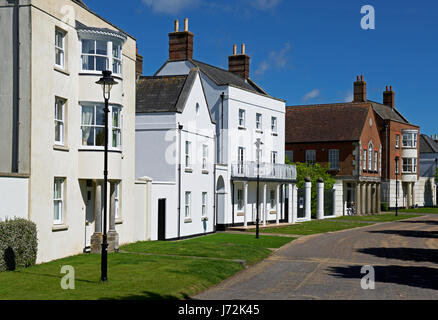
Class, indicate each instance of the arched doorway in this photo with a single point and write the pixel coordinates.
(220, 200)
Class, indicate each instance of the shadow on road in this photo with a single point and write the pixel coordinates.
(405, 254)
(433, 222)
(421, 277)
(410, 233)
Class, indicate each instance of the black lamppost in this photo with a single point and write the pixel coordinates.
(258, 144)
(397, 169)
(107, 82)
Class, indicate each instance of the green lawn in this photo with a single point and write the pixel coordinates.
(386, 217)
(136, 276)
(420, 210)
(313, 227)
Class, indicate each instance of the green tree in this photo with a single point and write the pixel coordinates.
(314, 172)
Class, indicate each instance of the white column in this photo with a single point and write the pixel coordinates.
(245, 204)
(278, 204)
(294, 204)
(409, 204)
(308, 199)
(265, 213)
(283, 200)
(320, 200)
(98, 208)
(290, 204)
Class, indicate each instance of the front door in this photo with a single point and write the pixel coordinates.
(161, 219)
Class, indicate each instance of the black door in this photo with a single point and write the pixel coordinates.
(301, 212)
(162, 219)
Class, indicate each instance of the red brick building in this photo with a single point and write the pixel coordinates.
(355, 139)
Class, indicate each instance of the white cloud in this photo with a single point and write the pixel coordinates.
(311, 95)
(170, 6)
(276, 59)
(264, 4)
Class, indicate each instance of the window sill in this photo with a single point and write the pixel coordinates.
(188, 170)
(119, 221)
(61, 70)
(59, 227)
(204, 171)
(188, 220)
(98, 149)
(59, 147)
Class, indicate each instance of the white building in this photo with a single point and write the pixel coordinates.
(243, 113)
(51, 164)
(175, 146)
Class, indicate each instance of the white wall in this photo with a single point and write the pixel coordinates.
(14, 193)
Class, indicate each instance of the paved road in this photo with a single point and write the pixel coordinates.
(404, 255)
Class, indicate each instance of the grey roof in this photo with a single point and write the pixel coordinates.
(225, 77)
(82, 27)
(428, 145)
(388, 113)
(164, 93)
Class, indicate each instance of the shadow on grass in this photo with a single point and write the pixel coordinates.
(410, 233)
(420, 277)
(405, 254)
(147, 295)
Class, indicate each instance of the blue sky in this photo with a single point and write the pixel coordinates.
(305, 52)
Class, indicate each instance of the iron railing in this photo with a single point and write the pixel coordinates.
(273, 171)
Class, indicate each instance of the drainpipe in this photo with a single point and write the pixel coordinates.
(222, 127)
(180, 127)
(16, 87)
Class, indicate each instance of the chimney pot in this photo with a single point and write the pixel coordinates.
(361, 78)
(186, 24)
(243, 48)
(176, 26)
(234, 49)
(390, 88)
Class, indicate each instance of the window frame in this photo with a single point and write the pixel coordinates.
(376, 160)
(188, 154)
(204, 157)
(333, 154)
(62, 49)
(364, 160)
(187, 205)
(242, 116)
(411, 165)
(311, 160)
(60, 201)
(259, 122)
(290, 152)
(397, 141)
(370, 157)
(274, 125)
(117, 200)
(204, 201)
(61, 121)
(239, 198)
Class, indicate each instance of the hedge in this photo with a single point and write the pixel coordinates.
(18, 244)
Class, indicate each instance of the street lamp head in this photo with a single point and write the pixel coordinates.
(107, 82)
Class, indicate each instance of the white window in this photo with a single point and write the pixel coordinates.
(188, 204)
(93, 125)
(240, 159)
(409, 165)
(60, 48)
(311, 156)
(409, 139)
(274, 125)
(397, 141)
(204, 157)
(376, 156)
(274, 157)
(273, 200)
(364, 160)
(259, 121)
(94, 55)
(239, 200)
(290, 155)
(204, 204)
(58, 201)
(241, 118)
(188, 154)
(117, 58)
(334, 159)
(59, 121)
(116, 127)
(370, 157)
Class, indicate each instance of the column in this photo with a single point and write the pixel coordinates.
(278, 204)
(413, 194)
(113, 236)
(290, 204)
(308, 199)
(357, 199)
(283, 201)
(379, 202)
(409, 203)
(363, 200)
(294, 204)
(245, 204)
(369, 209)
(265, 194)
(320, 200)
(373, 198)
(96, 238)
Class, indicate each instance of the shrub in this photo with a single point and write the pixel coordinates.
(385, 206)
(18, 244)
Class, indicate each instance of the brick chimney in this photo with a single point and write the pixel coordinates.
(389, 97)
(360, 90)
(181, 43)
(239, 63)
(139, 65)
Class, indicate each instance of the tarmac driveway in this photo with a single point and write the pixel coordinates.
(404, 256)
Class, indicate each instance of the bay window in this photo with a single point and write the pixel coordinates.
(410, 139)
(99, 55)
(409, 165)
(117, 58)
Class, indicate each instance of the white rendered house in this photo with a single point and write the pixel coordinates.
(54, 150)
(175, 146)
(243, 113)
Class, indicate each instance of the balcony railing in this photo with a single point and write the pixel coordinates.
(248, 170)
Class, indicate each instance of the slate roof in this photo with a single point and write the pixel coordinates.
(428, 145)
(164, 93)
(387, 113)
(325, 123)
